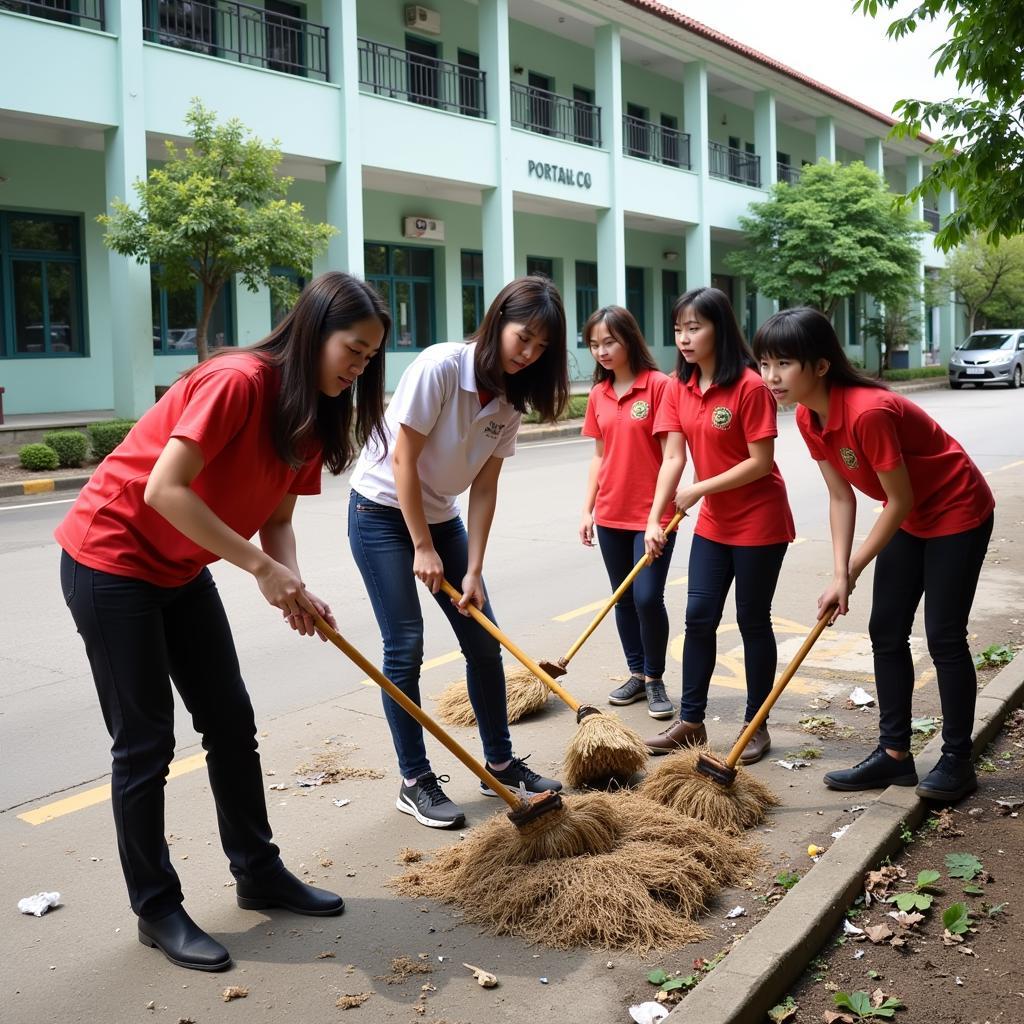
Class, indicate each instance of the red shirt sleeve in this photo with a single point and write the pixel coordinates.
(666, 417)
(590, 424)
(760, 413)
(877, 434)
(813, 445)
(218, 404)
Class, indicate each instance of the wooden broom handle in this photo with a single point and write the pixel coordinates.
(614, 599)
(791, 669)
(524, 659)
(416, 711)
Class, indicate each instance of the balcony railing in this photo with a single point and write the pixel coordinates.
(401, 74)
(650, 141)
(69, 12)
(932, 219)
(241, 32)
(547, 113)
(787, 173)
(734, 164)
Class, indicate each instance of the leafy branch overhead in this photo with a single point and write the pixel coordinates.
(215, 211)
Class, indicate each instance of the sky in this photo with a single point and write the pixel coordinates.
(825, 40)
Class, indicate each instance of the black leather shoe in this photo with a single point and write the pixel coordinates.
(950, 780)
(183, 942)
(876, 771)
(288, 892)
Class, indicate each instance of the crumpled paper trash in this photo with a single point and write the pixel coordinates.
(39, 904)
(648, 1013)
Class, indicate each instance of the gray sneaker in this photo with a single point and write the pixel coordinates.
(658, 704)
(629, 692)
(427, 803)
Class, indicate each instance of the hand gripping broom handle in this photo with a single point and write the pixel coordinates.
(614, 599)
(791, 669)
(512, 649)
(416, 711)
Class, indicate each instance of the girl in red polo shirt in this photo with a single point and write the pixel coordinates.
(721, 410)
(623, 404)
(930, 539)
(221, 456)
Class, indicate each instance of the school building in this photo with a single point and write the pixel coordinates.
(611, 144)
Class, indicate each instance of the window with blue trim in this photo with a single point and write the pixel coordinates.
(586, 296)
(41, 302)
(404, 278)
(472, 291)
(176, 318)
(278, 311)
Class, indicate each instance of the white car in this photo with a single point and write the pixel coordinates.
(989, 357)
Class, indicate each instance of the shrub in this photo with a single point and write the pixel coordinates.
(71, 446)
(915, 373)
(106, 436)
(575, 409)
(38, 457)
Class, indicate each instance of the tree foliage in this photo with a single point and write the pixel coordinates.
(988, 281)
(834, 233)
(980, 137)
(215, 211)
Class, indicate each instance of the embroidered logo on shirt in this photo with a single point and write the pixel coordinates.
(849, 458)
(721, 417)
(640, 411)
(493, 429)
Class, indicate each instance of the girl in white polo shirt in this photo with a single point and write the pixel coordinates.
(452, 420)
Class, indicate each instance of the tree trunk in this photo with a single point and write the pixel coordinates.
(971, 314)
(210, 293)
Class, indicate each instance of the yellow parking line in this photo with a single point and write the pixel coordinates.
(441, 659)
(99, 794)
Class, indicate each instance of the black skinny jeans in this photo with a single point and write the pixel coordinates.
(945, 570)
(139, 637)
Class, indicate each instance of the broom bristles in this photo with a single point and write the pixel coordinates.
(677, 784)
(603, 749)
(524, 694)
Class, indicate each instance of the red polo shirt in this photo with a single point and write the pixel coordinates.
(225, 407)
(871, 430)
(629, 469)
(718, 423)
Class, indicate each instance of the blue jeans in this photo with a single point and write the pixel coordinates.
(713, 567)
(383, 552)
(640, 616)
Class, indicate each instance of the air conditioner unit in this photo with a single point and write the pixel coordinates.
(423, 227)
(423, 19)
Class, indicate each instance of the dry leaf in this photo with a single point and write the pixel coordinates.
(907, 919)
(234, 992)
(878, 933)
(326, 955)
(349, 1002)
(484, 978)
(835, 1017)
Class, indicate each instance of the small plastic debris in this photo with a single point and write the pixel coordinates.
(858, 807)
(609, 965)
(234, 992)
(648, 1013)
(278, 785)
(483, 978)
(441, 959)
(849, 928)
(858, 954)
(341, 803)
(958, 980)
(151, 1005)
(39, 904)
(839, 833)
(815, 851)
(736, 912)
(860, 698)
(792, 765)
(543, 981)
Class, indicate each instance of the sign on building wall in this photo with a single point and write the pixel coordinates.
(558, 174)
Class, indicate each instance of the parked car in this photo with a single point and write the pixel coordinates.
(989, 357)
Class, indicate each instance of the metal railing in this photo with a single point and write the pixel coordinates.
(547, 113)
(69, 12)
(787, 173)
(734, 164)
(241, 32)
(430, 81)
(650, 141)
(933, 219)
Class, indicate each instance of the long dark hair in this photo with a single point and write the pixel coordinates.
(626, 331)
(304, 416)
(544, 385)
(732, 353)
(805, 335)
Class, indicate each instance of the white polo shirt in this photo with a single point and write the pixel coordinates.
(437, 396)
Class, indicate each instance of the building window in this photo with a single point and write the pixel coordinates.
(404, 278)
(472, 100)
(541, 265)
(582, 115)
(176, 319)
(586, 296)
(472, 291)
(277, 311)
(852, 336)
(635, 295)
(41, 311)
(669, 294)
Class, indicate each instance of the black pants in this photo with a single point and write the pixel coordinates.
(138, 638)
(945, 570)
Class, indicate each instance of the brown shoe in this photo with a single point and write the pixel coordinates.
(677, 736)
(757, 746)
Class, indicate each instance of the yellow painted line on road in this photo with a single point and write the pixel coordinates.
(100, 794)
(441, 659)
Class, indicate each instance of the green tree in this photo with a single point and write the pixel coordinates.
(980, 140)
(214, 211)
(832, 234)
(896, 324)
(988, 280)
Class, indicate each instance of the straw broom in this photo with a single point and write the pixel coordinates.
(524, 694)
(603, 748)
(695, 782)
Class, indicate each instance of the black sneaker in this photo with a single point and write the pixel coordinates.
(426, 802)
(518, 771)
(950, 780)
(658, 704)
(629, 692)
(876, 771)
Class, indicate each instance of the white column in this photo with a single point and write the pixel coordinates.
(611, 227)
(874, 156)
(948, 323)
(697, 240)
(915, 172)
(131, 313)
(765, 142)
(825, 139)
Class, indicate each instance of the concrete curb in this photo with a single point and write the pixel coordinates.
(767, 961)
(17, 488)
(531, 434)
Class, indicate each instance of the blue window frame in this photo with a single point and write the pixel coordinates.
(472, 291)
(404, 278)
(586, 296)
(669, 293)
(176, 317)
(278, 312)
(41, 301)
